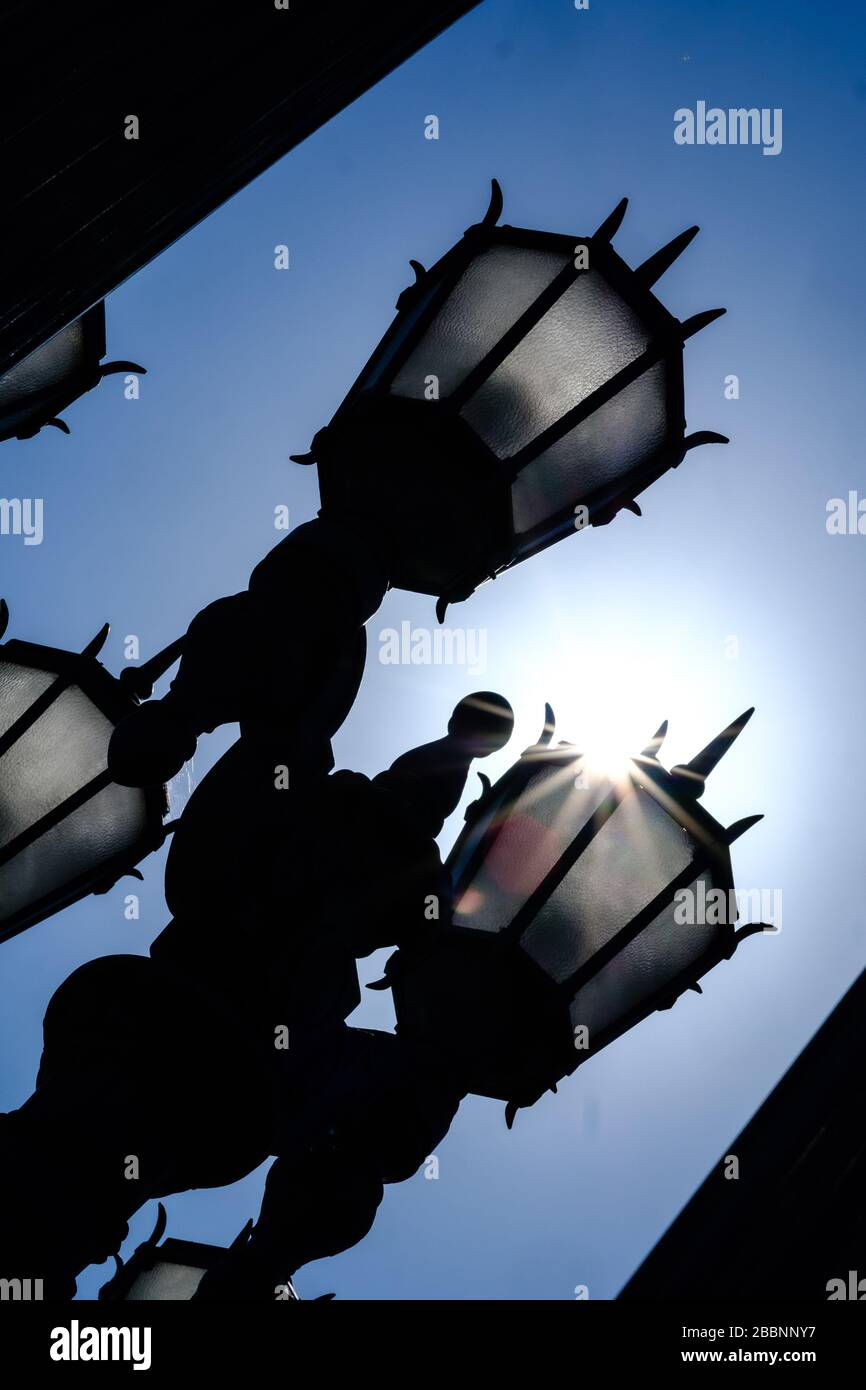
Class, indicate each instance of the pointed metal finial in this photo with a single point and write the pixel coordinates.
(243, 1235)
(408, 296)
(699, 321)
(611, 224)
(549, 727)
(113, 368)
(474, 809)
(94, 647)
(158, 1231)
(692, 776)
(694, 441)
(494, 208)
(546, 734)
(655, 743)
(4, 617)
(740, 827)
(750, 929)
(655, 266)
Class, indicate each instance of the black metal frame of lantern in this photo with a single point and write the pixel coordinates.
(487, 1002)
(66, 367)
(171, 1269)
(137, 821)
(450, 493)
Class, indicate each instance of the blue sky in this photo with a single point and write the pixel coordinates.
(154, 507)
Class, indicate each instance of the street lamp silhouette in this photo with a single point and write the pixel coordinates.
(66, 828)
(530, 384)
(571, 916)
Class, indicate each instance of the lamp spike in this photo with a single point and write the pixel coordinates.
(441, 608)
(611, 224)
(304, 459)
(654, 267)
(655, 743)
(740, 827)
(243, 1235)
(694, 441)
(750, 929)
(59, 425)
(549, 727)
(691, 326)
(112, 368)
(95, 646)
(4, 616)
(692, 776)
(158, 1231)
(408, 296)
(494, 208)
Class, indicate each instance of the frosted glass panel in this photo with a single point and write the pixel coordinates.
(65, 748)
(604, 449)
(46, 368)
(494, 290)
(546, 818)
(659, 953)
(166, 1281)
(585, 338)
(637, 852)
(19, 687)
(54, 758)
(111, 822)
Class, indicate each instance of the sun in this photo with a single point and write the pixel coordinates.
(606, 750)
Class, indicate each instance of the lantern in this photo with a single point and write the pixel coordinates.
(530, 384)
(171, 1270)
(65, 828)
(583, 901)
(36, 389)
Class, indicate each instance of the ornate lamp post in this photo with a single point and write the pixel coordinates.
(530, 383)
(567, 884)
(66, 829)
